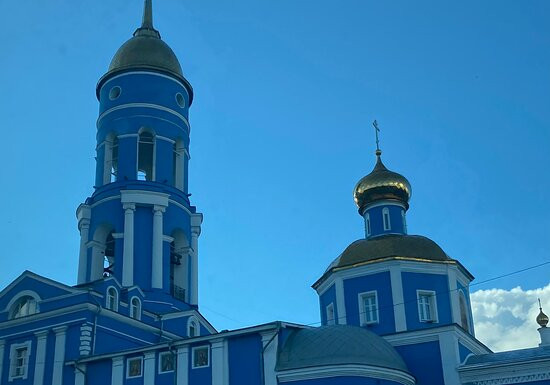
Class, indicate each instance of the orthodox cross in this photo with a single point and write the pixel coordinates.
(376, 131)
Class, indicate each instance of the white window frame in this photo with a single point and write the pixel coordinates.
(138, 307)
(128, 360)
(193, 321)
(115, 303)
(368, 228)
(433, 306)
(14, 347)
(363, 311)
(174, 358)
(193, 366)
(387, 224)
(329, 310)
(17, 300)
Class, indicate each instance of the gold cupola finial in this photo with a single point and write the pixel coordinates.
(542, 319)
(376, 131)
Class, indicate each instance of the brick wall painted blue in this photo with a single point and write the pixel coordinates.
(380, 283)
(99, 372)
(377, 221)
(425, 281)
(328, 297)
(344, 381)
(424, 362)
(244, 360)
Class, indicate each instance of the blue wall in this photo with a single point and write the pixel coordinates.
(380, 283)
(424, 362)
(328, 297)
(244, 360)
(377, 221)
(344, 381)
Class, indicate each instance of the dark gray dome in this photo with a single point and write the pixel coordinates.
(146, 52)
(387, 246)
(337, 345)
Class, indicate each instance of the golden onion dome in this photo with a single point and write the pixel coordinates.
(381, 184)
(542, 319)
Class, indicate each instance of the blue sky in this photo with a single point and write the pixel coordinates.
(281, 131)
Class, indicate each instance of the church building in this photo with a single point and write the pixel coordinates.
(395, 308)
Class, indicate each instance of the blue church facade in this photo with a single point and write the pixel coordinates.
(394, 307)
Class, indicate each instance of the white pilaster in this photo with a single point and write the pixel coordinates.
(398, 300)
(183, 366)
(40, 361)
(59, 355)
(149, 368)
(156, 268)
(450, 358)
(128, 252)
(270, 342)
(453, 295)
(2, 344)
(220, 364)
(544, 337)
(80, 374)
(196, 221)
(83, 215)
(340, 301)
(117, 372)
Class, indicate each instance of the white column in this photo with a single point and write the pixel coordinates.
(453, 295)
(220, 364)
(117, 371)
(156, 268)
(270, 341)
(80, 374)
(40, 361)
(543, 331)
(2, 344)
(83, 214)
(340, 302)
(196, 221)
(149, 368)
(183, 366)
(450, 358)
(59, 355)
(398, 300)
(128, 253)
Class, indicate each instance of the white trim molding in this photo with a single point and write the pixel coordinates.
(505, 372)
(40, 360)
(363, 310)
(340, 302)
(270, 345)
(27, 345)
(346, 370)
(220, 363)
(59, 354)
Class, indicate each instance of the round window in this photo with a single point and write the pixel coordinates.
(114, 93)
(180, 100)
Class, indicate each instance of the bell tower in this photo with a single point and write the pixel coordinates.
(139, 225)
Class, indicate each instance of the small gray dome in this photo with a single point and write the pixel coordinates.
(146, 52)
(337, 345)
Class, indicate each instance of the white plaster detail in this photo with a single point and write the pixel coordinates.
(220, 372)
(40, 360)
(85, 339)
(544, 336)
(80, 374)
(149, 368)
(398, 299)
(450, 357)
(59, 354)
(21, 294)
(117, 371)
(24, 373)
(182, 366)
(340, 302)
(196, 221)
(351, 370)
(156, 267)
(128, 248)
(143, 105)
(270, 344)
(144, 197)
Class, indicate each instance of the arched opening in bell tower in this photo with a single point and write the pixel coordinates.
(179, 266)
(146, 156)
(103, 253)
(178, 163)
(110, 166)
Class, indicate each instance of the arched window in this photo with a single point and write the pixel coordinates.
(110, 169)
(109, 260)
(464, 319)
(146, 155)
(179, 266)
(367, 225)
(404, 217)
(24, 306)
(111, 301)
(135, 308)
(178, 164)
(386, 218)
(193, 328)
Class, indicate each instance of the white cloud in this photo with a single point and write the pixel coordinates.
(506, 319)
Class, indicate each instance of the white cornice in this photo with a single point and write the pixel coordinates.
(143, 105)
(496, 373)
(346, 370)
